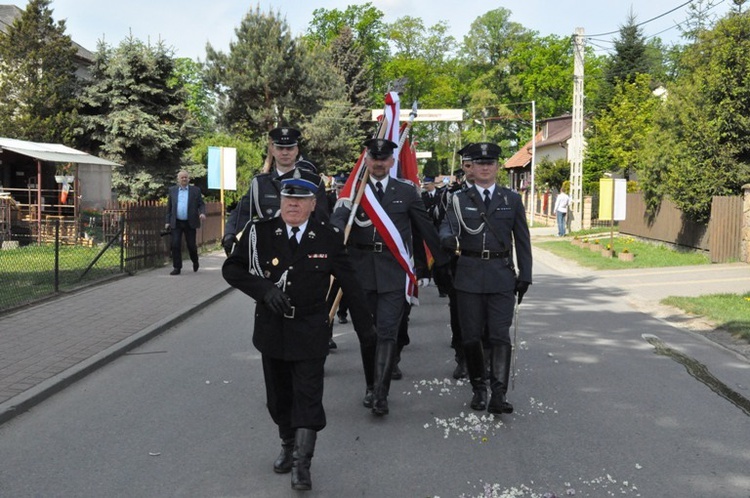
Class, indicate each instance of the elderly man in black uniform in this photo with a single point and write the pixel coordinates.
(285, 264)
(379, 271)
(263, 198)
(483, 224)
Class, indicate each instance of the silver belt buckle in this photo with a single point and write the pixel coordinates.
(485, 254)
(290, 315)
(377, 247)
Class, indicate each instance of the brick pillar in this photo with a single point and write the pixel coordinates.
(745, 244)
(586, 221)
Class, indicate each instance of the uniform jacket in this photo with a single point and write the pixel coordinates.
(431, 204)
(380, 270)
(321, 253)
(508, 217)
(263, 200)
(195, 207)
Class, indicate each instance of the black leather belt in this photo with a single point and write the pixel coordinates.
(485, 254)
(300, 311)
(376, 247)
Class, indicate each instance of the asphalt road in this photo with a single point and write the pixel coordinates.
(598, 413)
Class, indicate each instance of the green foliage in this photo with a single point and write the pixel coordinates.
(618, 136)
(368, 31)
(200, 102)
(701, 147)
(269, 79)
(38, 84)
(132, 115)
(630, 59)
(552, 174)
(249, 161)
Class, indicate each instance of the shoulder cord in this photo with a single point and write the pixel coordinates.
(461, 223)
(255, 268)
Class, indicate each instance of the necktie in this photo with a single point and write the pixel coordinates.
(379, 191)
(486, 198)
(293, 243)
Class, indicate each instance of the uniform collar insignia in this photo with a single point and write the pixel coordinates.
(278, 231)
(311, 234)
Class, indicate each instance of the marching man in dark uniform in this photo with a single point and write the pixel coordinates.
(482, 225)
(464, 181)
(382, 276)
(285, 264)
(263, 198)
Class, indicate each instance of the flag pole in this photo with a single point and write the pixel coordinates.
(383, 125)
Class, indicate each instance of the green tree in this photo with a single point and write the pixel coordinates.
(132, 115)
(368, 30)
(200, 100)
(704, 129)
(618, 136)
(249, 161)
(552, 174)
(38, 84)
(631, 58)
(269, 79)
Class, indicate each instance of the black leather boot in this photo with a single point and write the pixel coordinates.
(283, 463)
(499, 374)
(367, 349)
(385, 354)
(475, 365)
(397, 374)
(460, 371)
(304, 447)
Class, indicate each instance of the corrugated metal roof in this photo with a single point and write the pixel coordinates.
(55, 153)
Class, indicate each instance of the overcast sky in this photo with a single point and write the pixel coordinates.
(187, 25)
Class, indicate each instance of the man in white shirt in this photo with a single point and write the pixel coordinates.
(561, 210)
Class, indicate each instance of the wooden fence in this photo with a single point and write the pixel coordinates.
(721, 237)
(142, 225)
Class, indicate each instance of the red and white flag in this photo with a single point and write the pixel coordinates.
(383, 224)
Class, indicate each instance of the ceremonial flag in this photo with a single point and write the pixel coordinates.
(392, 131)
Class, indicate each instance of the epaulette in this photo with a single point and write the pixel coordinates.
(404, 180)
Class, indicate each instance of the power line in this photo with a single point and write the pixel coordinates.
(647, 21)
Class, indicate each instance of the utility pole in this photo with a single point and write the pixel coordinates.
(576, 139)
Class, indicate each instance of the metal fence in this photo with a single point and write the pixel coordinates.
(121, 239)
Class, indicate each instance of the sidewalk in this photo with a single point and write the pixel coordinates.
(46, 347)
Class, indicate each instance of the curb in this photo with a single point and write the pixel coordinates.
(31, 397)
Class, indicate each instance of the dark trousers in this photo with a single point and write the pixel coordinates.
(403, 327)
(183, 227)
(490, 312)
(387, 309)
(294, 393)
